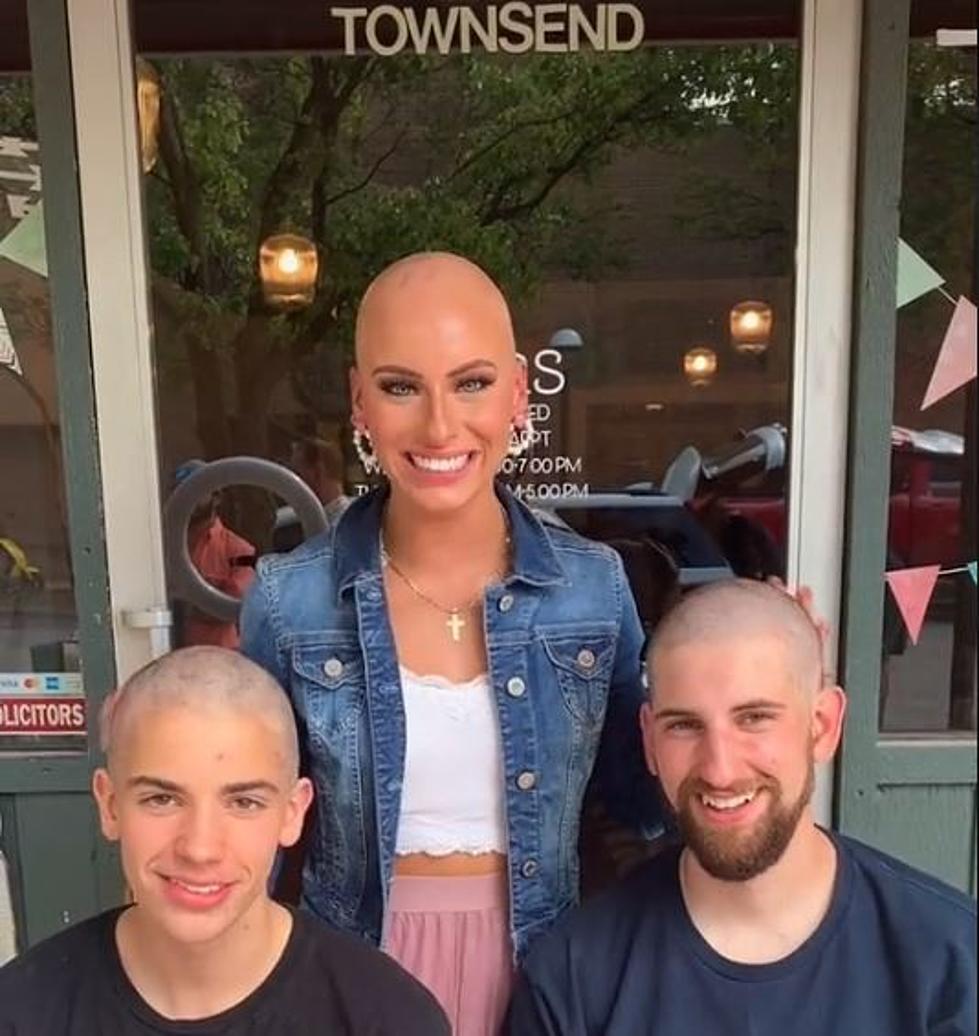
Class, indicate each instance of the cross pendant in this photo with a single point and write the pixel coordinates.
(455, 622)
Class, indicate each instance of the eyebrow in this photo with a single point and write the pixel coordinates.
(454, 373)
(238, 788)
(760, 703)
(747, 706)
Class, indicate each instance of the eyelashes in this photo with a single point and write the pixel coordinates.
(396, 387)
(401, 387)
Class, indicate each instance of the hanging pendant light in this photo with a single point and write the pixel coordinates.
(751, 327)
(287, 265)
(148, 95)
(700, 365)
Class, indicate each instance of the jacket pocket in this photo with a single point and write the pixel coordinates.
(583, 662)
(329, 687)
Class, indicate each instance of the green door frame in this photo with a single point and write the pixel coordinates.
(62, 869)
(914, 796)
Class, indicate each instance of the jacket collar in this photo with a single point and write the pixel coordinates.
(357, 542)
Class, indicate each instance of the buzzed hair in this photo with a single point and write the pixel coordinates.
(737, 608)
(426, 266)
(204, 676)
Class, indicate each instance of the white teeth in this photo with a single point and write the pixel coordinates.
(440, 463)
(727, 802)
(197, 890)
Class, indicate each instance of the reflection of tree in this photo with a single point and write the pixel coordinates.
(374, 158)
(755, 95)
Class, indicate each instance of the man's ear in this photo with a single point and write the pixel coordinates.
(828, 712)
(105, 798)
(296, 805)
(646, 724)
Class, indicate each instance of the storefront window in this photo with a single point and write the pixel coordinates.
(637, 206)
(40, 684)
(930, 685)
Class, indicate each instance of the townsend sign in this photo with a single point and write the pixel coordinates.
(34, 715)
(512, 28)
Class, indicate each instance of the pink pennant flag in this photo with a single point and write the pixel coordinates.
(912, 589)
(956, 363)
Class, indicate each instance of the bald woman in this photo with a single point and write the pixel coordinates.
(459, 669)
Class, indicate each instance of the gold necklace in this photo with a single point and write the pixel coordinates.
(455, 622)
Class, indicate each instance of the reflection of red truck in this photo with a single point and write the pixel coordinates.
(924, 520)
(926, 497)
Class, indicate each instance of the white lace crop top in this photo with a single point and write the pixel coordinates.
(452, 795)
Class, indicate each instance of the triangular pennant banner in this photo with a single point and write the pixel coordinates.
(8, 354)
(956, 363)
(25, 243)
(912, 589)
(972, 570)
(914, 276)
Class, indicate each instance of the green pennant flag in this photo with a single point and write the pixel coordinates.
(24, 244)
(914, 276)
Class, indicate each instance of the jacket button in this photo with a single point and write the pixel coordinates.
(586, 658)
(528, 868)
(515, 687)
(506, 602)
(333, 668)
(527, 780)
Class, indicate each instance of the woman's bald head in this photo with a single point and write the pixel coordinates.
(432, 289)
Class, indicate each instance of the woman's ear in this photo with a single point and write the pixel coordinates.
(521, 393)
(356, 398)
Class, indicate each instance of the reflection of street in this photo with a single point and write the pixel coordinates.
(919, 682)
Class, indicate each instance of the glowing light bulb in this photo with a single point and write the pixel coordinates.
(289, 260)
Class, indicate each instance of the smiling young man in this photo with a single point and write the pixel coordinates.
(761, 922)
(201, 789)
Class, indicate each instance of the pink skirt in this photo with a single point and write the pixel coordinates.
(453, 935)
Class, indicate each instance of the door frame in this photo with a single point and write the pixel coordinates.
(875, 763)
(61, 870)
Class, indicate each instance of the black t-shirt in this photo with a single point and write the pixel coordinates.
(894, 956)
(326, 982)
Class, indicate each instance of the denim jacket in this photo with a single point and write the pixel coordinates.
(563, 643)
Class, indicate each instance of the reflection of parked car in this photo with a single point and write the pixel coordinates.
(924, 524)
(926, 495)
(724, 513)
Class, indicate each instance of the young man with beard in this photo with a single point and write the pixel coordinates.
(201, 789)
(761, 923)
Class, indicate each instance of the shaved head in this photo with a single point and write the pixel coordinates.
(426, 284)
(737, 609)
(205, 678)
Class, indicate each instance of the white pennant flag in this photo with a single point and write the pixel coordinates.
(8, 354)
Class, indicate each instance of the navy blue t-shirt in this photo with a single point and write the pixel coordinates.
(894, 956)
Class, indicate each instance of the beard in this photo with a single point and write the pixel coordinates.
(732, 855)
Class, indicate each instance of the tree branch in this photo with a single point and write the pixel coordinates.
(501, 138)
(497, 211)
(371, 173)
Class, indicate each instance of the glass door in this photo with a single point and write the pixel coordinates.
(55, 644)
